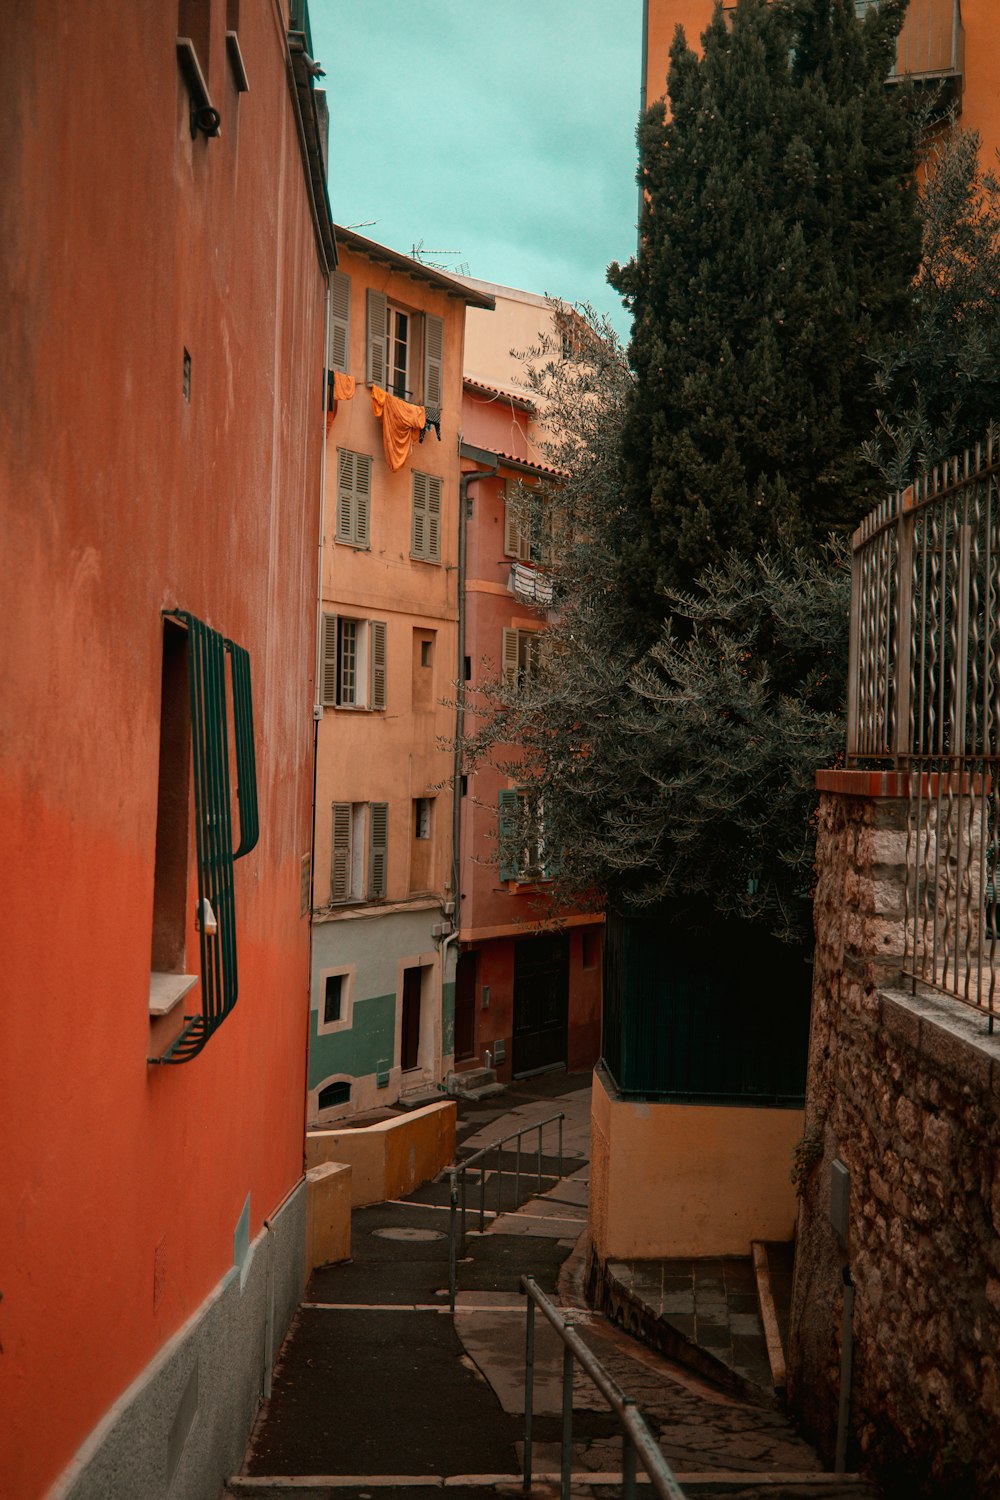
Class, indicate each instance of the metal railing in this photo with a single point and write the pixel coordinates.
(458, 1185)
(924, 697)
(638, 1443)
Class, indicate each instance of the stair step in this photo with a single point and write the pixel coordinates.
(474, 1078)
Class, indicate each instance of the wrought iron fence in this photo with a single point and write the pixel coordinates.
(924, 698)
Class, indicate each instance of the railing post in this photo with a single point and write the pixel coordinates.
(628, 1460)
(560, 1145)
(567, 1424)
(517, 1174)
(529, 1385)
(539, 1158)
(905, 534)
(499, 1149)
(461, 1237)
(482, 1199)
(452, 1253)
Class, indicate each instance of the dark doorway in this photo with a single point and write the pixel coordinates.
(465, 1006)
(409, 1050)
(541, 1002)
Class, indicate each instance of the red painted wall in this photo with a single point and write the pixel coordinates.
(124, 243)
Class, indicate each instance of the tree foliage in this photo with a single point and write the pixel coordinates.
(938, 376)
(778, 242)
(682, 771)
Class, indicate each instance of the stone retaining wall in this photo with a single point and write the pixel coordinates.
(905, 1091)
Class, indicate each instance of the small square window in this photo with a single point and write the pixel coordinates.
(426, 653)
(332, 996)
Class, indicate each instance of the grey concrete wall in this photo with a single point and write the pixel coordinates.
(905, 1092)
(181, 1428)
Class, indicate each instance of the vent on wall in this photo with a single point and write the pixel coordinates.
(500, 1050)
(382, 1069)
(334, 1093)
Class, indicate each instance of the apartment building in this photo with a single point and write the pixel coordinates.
(384, 881)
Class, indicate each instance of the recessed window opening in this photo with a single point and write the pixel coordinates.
(422, 817)
(171, 858)
(399, 353)
(186, 376)
(426, 653)
(332, 998)
(334, 1093)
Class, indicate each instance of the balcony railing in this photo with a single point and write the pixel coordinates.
(924, 699)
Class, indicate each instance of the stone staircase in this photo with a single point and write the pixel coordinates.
(475, 1083)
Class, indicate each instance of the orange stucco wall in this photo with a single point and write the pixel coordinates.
(125, 242)
(688, 1180)
(391, 1157)
(980, 100)
(396, 755)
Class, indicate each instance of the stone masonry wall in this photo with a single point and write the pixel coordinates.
(905, 1091)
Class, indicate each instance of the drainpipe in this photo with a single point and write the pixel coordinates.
(472, 477)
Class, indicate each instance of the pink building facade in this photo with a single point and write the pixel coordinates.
(528, 983)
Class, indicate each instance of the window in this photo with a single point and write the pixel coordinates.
(521, 655)
(405, 351)
(335, 1000)
(354, 493)
(422, 817)
(358, 864)
(526, 525)
(523, 855)
(194, 672)
(425, 535)
(422, 670)
(426, 653)
(354, 663)
(334, 1093)
(332, 998)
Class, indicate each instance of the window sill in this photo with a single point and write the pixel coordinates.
(168, 990)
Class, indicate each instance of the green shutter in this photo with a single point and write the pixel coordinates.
(507, 821)
(213, 825)
(376, 331)
(340, 321)
(245, 750)
(378, 849)
(433, 362)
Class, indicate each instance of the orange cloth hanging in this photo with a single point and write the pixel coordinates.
(401, 423)
(343, 389)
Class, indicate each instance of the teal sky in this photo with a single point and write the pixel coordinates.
(501, 133)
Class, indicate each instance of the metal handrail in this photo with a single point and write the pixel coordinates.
(637, 1440)
(459, 1171)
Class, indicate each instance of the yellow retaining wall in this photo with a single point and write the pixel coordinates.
(391, 1158)
(688, 1179)
(328, 1214)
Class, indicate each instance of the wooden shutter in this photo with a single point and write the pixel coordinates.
(340, 861)
(418, 533)
(376, 646)
(511, 642)
(345, 495)
(328, 682)
(354, 484)
(377, 318)
(378, 848)
(362, 498)
(507, 820)
(511, 530)
(433, 518)
(433, 361)
(340, 321)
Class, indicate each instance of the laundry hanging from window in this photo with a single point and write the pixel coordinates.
(340, 387)
(401, 423)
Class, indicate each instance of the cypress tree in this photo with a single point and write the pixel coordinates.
(779, 238)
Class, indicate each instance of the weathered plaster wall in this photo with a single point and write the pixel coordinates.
(905, 1092)
(687, 1179)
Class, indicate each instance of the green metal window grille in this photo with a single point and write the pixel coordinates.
(207, 651)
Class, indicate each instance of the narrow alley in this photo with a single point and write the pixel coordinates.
(379, 1391)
